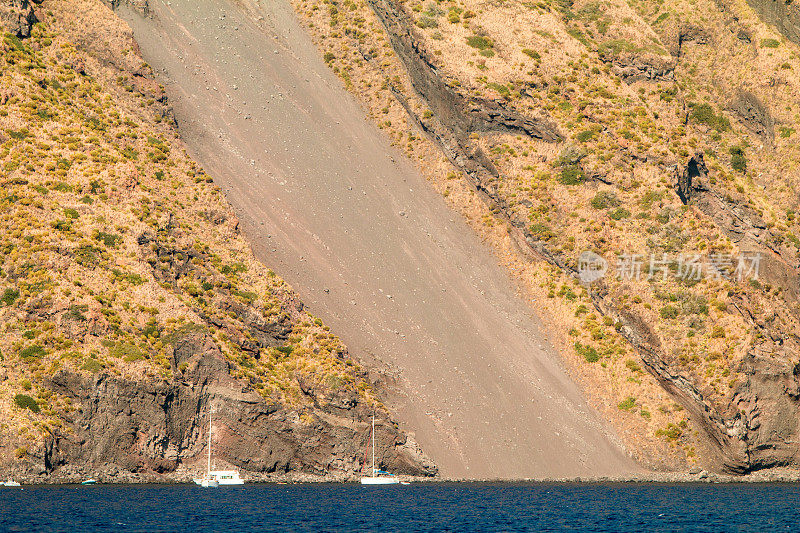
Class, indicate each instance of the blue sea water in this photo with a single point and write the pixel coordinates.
(420, 507)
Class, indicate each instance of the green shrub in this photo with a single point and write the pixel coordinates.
(127, 352)
(531, 53)
(571, 175)
(62, 187)
(627, 404)
(619, 213)
(604, 200)
(770, 43)
(109, 239)
(92, 365)
(586, 135)
(427, 22)
(579, 35)
(671, 432)
(649, 198)
(615, 47)
(233, 268)
(633, 366)
(502, 89)
(541, 232)
(15, 42)
(738, 160)
(9, 296)
(152, 328)
(589, 353)
(34, 351)
(480, 42)
(87, 256)
(718, 332)
(786, 132)
(132, 278)
(247, 296)
(704, 114)
(62, 225)
(285, 350)
(669, 312)
(19, 135)
(23, 401)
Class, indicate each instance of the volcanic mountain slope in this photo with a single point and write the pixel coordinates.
(369, 245)
(130, 302)
(657, 129)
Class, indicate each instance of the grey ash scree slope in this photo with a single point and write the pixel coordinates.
(369, 245)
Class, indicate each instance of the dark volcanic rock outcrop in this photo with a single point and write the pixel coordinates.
(633, 68)
(459, 113)
(18, 16)
(150, 426)
(754, 115)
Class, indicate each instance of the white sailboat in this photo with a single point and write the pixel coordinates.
(215, 478)
(378, 477)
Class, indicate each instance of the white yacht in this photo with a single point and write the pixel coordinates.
(378, 477)
(215, 478)
(9, 483)
(227, 477)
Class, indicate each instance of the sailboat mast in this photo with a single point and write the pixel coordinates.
(373, 444)
(209, 442)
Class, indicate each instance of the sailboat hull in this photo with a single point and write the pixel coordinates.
(379, 481)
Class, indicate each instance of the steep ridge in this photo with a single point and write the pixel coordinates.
(369, 246)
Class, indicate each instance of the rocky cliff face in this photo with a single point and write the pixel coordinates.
(126, 426)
